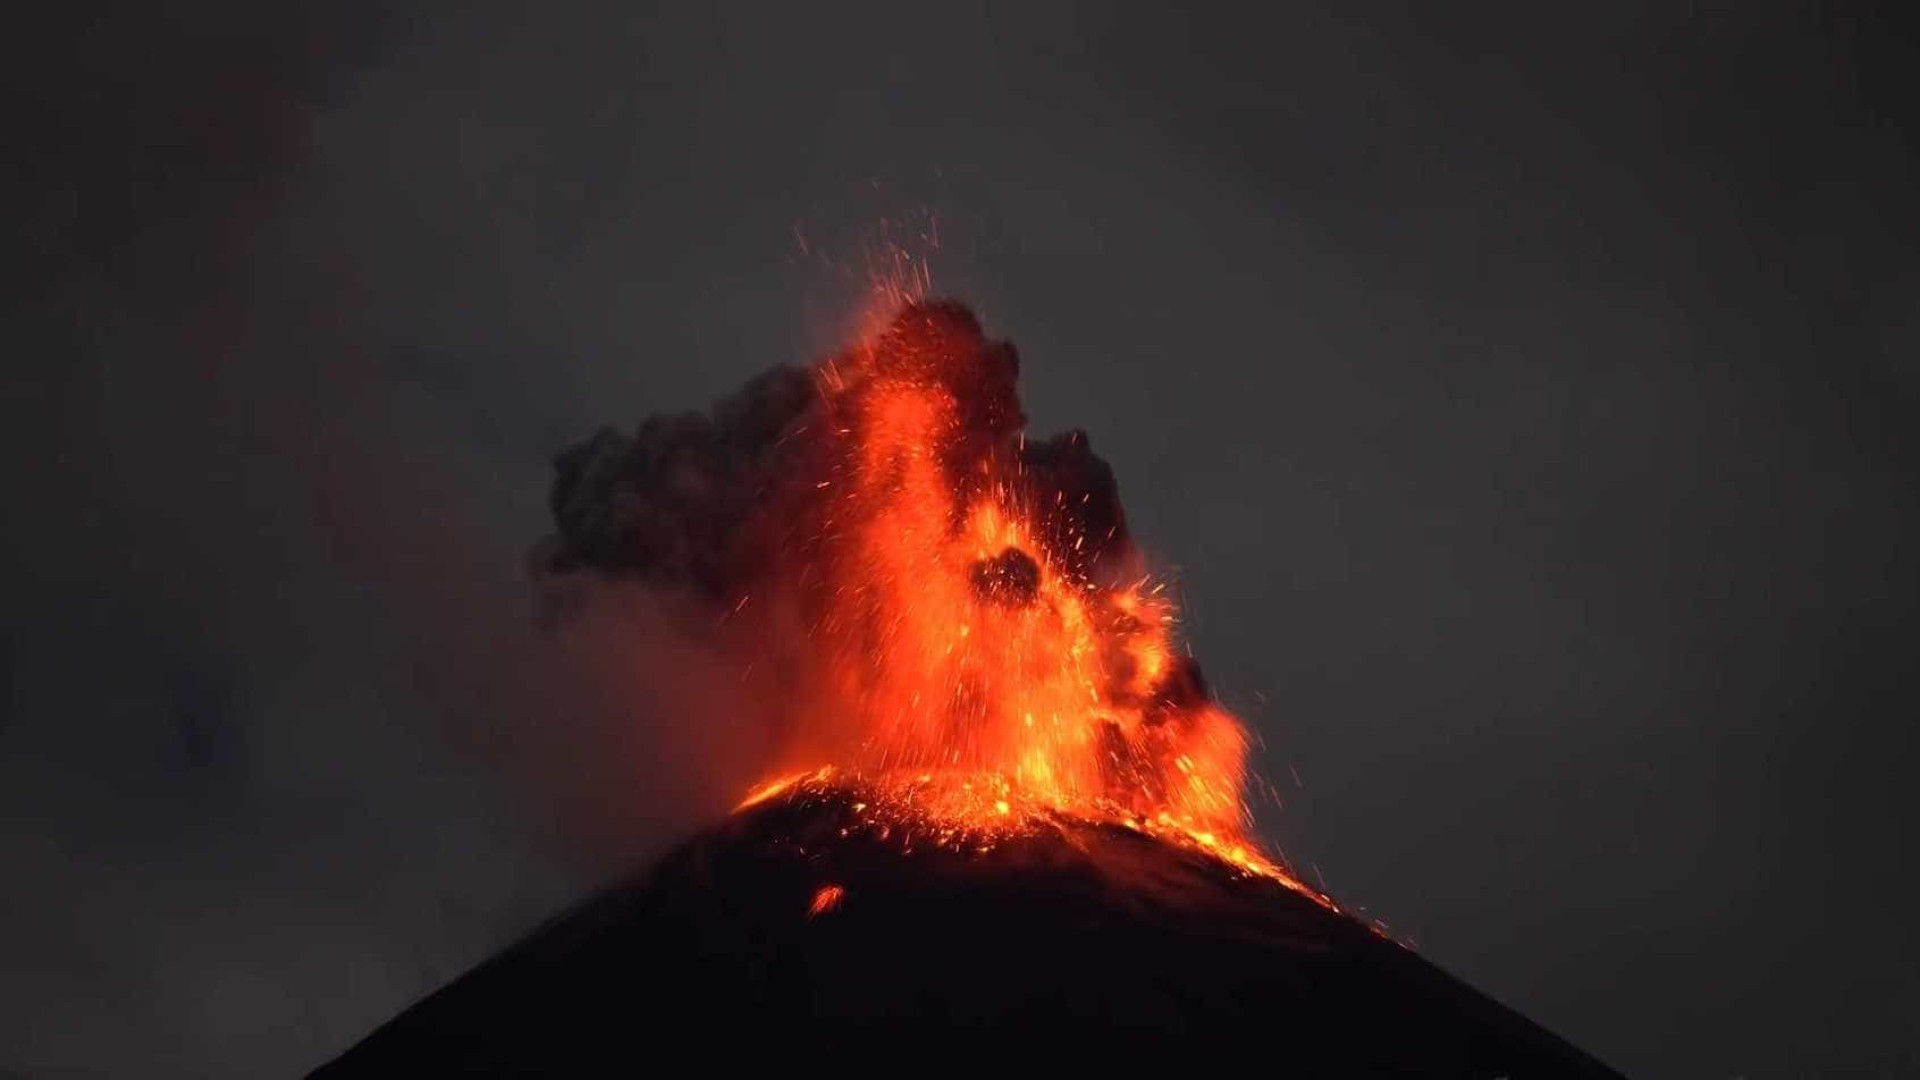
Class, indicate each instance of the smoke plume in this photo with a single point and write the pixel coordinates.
(707, 501)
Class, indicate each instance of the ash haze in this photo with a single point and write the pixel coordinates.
(1523, 397)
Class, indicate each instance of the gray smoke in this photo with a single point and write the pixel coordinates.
(711, 502)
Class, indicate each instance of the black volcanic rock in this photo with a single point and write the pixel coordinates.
(1080, 945)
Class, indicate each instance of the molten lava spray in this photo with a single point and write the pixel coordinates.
(954, 616)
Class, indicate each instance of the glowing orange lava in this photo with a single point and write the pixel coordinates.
(985, 662)
(824, 900)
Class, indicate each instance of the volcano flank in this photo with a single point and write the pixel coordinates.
(794, 934)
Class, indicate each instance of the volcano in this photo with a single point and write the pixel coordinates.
(801, 933)
(1019, 828)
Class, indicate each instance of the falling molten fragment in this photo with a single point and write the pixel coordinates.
(981, 641)
(824, 900)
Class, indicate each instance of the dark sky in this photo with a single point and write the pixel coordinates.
(1524, 399)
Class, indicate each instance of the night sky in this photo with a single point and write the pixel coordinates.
(1524, 401)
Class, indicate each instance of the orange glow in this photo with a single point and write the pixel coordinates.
(769, 789)
(978, 668)
(825, 900)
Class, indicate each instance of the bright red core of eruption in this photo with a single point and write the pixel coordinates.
(990, 652)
